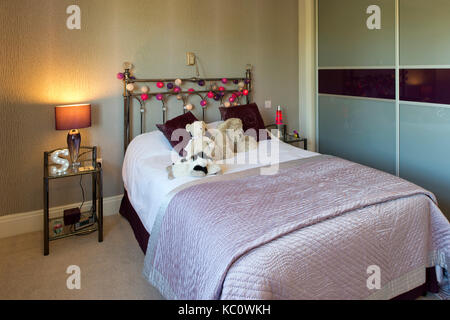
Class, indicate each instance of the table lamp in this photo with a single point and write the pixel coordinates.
(73, 118)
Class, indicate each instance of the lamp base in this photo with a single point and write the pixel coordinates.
(281, 131)
(73, 144)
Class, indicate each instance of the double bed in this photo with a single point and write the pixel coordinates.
(318, 228)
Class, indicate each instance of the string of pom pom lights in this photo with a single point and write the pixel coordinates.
(218, 89)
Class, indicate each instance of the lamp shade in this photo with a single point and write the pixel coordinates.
(73, 117)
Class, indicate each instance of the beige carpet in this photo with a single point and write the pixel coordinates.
(109, 270)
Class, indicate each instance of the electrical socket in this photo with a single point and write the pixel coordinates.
(268, 104)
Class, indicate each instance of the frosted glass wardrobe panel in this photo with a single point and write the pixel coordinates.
(425, 149)
(424, 32)
(359, 130)
(344, 38)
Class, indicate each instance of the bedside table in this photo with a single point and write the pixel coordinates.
(287, 138)
(92, 217)
(291, 140)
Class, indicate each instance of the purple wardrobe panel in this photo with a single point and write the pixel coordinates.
(370, 83)
(425, 85)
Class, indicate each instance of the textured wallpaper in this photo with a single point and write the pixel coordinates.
(43, 64)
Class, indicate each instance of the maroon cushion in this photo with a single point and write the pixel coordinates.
(250, 116)
(179, 141)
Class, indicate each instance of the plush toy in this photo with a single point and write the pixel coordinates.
(199, 141)
(199, 160)
(234, 132)
(224, 147)
(199, 165)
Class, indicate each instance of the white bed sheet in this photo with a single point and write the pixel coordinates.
(145, 176)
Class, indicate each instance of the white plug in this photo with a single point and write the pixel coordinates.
(190, 58)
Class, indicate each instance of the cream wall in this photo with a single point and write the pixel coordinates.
(43, 64)
(307, 70)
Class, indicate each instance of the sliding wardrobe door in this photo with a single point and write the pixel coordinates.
(358, 130)
(425, 96)
(368, 115)
(356, 62)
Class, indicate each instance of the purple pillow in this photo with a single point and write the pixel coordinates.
(250, 116)
(178, 142)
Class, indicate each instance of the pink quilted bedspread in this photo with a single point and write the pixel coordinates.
(309, 232)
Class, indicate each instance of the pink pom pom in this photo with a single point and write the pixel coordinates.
(221, 89)
(211, 95)
(224, 80)
(232, 99)
(177, 89)
(191, 90)
(245, 92)
(160, 85)
(144, 96)
(159, 97)
(120, 76)
(203, 103)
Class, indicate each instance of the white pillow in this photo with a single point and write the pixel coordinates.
(155, 143)
(152, 143)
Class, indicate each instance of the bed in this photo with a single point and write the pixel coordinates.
(317, 229)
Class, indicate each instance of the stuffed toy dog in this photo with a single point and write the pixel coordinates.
(199, 160)
(199, 165)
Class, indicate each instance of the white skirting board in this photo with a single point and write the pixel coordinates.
(20, 223)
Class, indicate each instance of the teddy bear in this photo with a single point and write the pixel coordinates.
(224, 147)
(231, 136)
(199, 165)
(199, 141)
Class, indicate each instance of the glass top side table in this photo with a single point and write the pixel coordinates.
(89, 166)
(288, 138)
(291, 139)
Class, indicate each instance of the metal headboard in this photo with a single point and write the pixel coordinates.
(235, 88)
